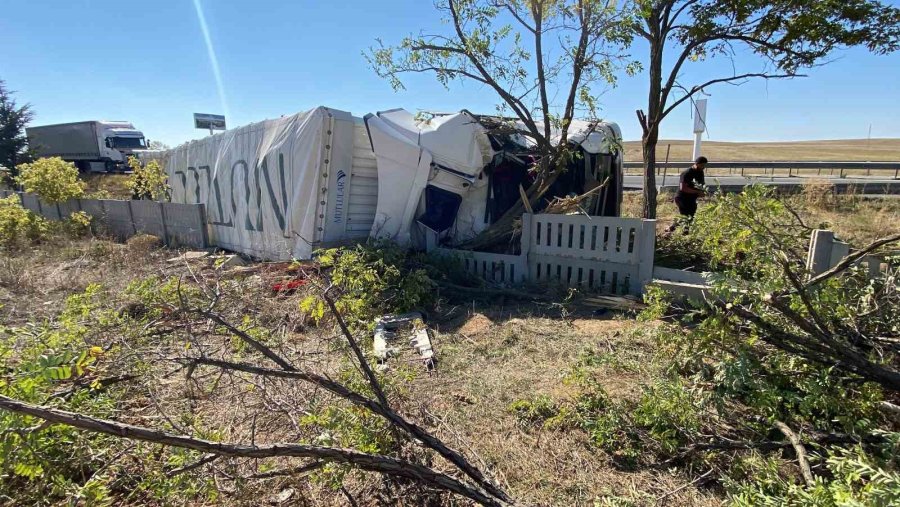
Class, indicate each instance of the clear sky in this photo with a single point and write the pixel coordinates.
(148, 62)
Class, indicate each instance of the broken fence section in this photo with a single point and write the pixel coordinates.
(825, 252)
(177, 225)
(604, 254)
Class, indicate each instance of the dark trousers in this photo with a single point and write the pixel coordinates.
(688, 208)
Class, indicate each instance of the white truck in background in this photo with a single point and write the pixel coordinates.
(94, 146)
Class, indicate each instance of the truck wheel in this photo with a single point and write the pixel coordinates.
(83, 166)
(110, 166)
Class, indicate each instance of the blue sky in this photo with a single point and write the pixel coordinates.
(147, 62)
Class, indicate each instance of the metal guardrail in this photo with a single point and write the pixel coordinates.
(769, 168)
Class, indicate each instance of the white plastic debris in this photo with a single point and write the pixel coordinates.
(389, 329)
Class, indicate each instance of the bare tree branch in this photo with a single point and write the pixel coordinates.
(370, 462)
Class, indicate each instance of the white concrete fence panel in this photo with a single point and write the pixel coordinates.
(177, 225)
(606, 254)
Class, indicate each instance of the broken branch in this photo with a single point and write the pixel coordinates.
(363, 461)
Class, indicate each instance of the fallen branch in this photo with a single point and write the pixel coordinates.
(363, 461)
(293, 472)
(360, 357)
(799, 449)
(770, 445)
(209, 458)
(262, 349)
(413, 430)
(683, 486)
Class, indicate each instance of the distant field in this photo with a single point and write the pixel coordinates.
(876, 150)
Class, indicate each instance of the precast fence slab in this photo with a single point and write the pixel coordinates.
(177, 225)
(604, 254)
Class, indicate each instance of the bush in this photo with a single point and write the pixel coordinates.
(148, 181)
(858, 477)
(19, 226)
(376, 279)
(52, 179)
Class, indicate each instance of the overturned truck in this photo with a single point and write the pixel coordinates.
(283, 188)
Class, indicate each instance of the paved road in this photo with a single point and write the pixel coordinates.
(735, 183)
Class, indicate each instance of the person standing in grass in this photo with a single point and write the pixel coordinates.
(690, 185)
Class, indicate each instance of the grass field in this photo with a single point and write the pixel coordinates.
(875, 150)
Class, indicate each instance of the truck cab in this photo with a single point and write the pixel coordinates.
(118, 141)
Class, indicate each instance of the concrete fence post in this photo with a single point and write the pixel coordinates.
(165, 226)
(527, 236)
(646, 251)
(431, 239)
(820, 245)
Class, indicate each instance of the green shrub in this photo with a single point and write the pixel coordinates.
(148, 181)
(670, 414)
(855, 477)
(534, 412)
(54, 462)
(658, 301)
(52, 179)
(19, 226)
(375, 279)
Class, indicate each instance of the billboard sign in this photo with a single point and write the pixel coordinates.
(699, 116)
(209, 121)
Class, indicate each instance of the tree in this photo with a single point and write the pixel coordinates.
(52, 179)
(13, 119)
(789, 35)
(148, 181)
(527, 53)
(158, 145)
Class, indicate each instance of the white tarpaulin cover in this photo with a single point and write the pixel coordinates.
(261, 184)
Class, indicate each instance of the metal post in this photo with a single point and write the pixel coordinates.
(666, 166)
(698, 138)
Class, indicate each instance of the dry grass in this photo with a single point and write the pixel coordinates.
(107, 186)
(495, 356)
(487, 358)
(887, 150)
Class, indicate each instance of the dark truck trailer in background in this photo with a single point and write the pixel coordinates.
(94, 146)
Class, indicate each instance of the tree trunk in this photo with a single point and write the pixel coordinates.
(655, 105)
(648, 144)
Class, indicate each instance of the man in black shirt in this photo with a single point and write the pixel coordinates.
(689, 190)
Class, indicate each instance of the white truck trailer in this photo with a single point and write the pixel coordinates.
(280, 189)
(94, 146)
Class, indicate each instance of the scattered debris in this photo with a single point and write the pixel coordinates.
(411, 325)
(614, 302)
(288, 286)
(189, 256)
(282, 497)
(229, 261)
